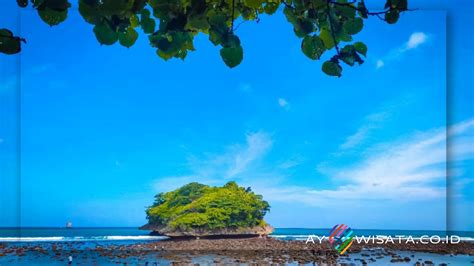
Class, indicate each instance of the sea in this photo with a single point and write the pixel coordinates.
(86, 238)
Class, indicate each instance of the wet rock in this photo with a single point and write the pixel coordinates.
(396, 259)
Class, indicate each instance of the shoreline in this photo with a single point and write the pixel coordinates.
(233, 250)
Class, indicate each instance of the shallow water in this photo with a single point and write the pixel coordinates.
(77, 241)
(458, 260)
(81, 256)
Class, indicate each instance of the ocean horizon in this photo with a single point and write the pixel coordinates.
(133, 234)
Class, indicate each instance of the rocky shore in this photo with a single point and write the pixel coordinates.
(237, 250)
(256, 231)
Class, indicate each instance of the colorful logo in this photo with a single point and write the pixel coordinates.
(341, 237)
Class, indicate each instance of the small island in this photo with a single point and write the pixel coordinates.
(197, 210)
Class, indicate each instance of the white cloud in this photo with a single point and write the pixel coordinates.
(374, 121)
(415, 40)
(257, 145)
(411, 169)
(236, 163)
(356, 138)
(283, 103)
(379, 63)
(370, 123)
(292, 162)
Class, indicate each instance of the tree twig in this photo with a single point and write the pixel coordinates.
(351, 5)
(287, 5)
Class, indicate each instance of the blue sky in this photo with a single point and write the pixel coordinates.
(103, 129)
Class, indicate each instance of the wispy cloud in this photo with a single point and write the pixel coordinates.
(411, 169)
(415, 40)
(236, 163)
(292, 162)
(370, 123)
(257, 145)
(408, 169)
(283, 103)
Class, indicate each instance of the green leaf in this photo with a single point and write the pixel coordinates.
(146, 13)
(318, 3)
(105, 35)
(271, 8)
(134, 21)
(128, 38)
(231, 40)
(362, 10)
(326, 36)
(400, 4)
(22, 3)
(215, 37)
(348, 59)
(303, 27)
(313, 47)
(349, 56)
(290, 15)
(232, 56)
(346, 11)
(148, 25)
(392, 16)
(164, 55)
(332, 68)
(198, 22)
(353, 26)
(253, 3)
(9, 44)
(344, 37)
(217, 20)
(53, 4)
(89, 13)
(361, 48)
(52, 17)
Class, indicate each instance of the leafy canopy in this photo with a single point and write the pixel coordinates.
(199, 206)
(171, 25)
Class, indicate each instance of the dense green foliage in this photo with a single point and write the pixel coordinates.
(199, 206)
(171, 25)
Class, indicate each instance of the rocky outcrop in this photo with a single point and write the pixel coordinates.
(200, 232)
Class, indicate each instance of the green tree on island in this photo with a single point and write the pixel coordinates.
(197, 206)
(323, 25)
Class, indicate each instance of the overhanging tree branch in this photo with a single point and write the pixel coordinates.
(328, 11)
